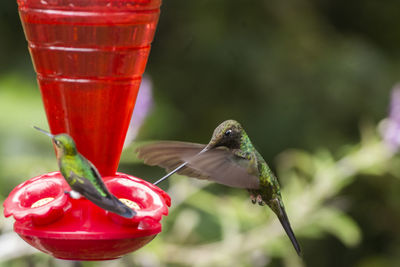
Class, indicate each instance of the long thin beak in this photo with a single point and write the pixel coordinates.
(45, 132)
(170, 173)
(179, 167)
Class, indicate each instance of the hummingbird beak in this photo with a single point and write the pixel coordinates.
(170, 173)
(208, 147)
(45, 132)
(180, 166)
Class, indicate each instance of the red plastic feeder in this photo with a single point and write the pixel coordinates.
(89, 56)
(74, 229)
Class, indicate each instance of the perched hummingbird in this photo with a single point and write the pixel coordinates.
(230, 159)
(83, 177)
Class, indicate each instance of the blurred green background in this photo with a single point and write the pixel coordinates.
(310, 81)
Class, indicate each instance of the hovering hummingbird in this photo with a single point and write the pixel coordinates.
(83, 177)
(229, 159)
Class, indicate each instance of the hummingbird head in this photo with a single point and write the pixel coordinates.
(228, 134)
(64, 143)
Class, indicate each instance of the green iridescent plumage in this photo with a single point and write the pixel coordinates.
(83, 177)
(230, 159)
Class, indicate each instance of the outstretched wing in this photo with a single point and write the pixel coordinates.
(169, 155)
(219, 165)
(225, 167)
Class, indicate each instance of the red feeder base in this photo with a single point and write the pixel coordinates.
(73, 229)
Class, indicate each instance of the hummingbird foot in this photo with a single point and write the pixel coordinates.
(253, 199)
(73, 194)
(260, 200)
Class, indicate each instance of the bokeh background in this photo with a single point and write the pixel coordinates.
(310, 80)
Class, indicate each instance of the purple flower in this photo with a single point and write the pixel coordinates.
(391, 127)
(144, 104)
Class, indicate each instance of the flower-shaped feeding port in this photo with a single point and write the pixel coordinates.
(76, 229)
(38, 201)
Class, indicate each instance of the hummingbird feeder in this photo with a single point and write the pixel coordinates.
(89, 56)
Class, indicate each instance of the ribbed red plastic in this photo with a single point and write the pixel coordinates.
(89, 56)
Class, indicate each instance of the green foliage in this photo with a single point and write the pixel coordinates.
(312, 183)
(300, 76)
(20, 147)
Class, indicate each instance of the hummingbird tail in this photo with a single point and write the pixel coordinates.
(127, 212)
(123, 210)
(113, 204)
(283, 218)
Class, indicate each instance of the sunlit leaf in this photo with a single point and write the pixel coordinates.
(339, 224)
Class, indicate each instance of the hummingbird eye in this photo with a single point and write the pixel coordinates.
(57, 142)
(228, 132)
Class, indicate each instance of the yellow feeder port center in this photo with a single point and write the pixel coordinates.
(42, 202)
(130, 203)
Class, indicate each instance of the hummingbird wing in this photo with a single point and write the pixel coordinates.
(218, 165)
(170, 154)
(92, 187)
(226, 167)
